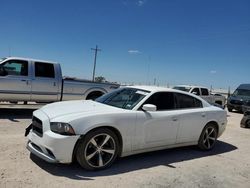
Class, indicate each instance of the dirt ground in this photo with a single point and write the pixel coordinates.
(227, 165)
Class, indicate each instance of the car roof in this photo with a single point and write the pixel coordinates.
(28, 59)
(152, 88)
(244, 86)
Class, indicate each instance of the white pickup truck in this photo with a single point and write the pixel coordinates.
(23, 79)
(204, 93)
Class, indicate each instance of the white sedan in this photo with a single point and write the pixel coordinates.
(127, 121)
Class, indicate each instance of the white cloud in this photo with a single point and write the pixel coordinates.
(141, 2)
(134, 52)
(213, 72)
(138, 3)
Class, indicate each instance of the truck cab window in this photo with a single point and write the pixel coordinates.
(204, 91)
(44, 70)
(196, 91)
(16, 67)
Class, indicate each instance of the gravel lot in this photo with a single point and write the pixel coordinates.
(228, 165)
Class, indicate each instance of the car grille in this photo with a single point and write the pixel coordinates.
(37, 126)
(236, 102)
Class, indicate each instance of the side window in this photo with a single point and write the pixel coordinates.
(186, 101)
(196, 91)
(44, 70)
(204, 91)
(162, 101)
(16, 67)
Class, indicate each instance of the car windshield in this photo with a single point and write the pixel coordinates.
(182, 88)
(126, 98)
(1, 59)
(242, 92)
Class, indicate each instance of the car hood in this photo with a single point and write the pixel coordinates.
(83, 107)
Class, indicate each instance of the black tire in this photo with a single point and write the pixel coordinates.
(248, 124)
(94, 95)
(230, 109)
(208, 137)
(98, 149)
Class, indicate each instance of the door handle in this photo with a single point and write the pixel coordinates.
(174, 118)
(27, 81)
(203, 115)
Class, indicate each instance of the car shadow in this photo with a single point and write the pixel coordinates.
(166, 158)
(15, 114)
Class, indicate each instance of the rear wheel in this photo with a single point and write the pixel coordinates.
(230, 109)
(94, 95)
(98, 149)
(208, 137)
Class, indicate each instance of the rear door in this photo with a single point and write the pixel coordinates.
(192, 117)
(15, 85)
(45, 87)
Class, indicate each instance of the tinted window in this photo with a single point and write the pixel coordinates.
(186, 101)
(204, 91)
(16, 67)
(196, 91)
(44, 70)
(162, 100)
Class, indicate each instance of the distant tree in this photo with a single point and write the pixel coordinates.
(100, 79)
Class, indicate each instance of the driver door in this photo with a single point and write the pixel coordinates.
(160, 127)
(15, 84)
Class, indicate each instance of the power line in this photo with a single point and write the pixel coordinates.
(96, 50)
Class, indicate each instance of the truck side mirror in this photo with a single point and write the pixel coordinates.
(194, 92)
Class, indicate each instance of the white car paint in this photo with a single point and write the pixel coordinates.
(140, 131)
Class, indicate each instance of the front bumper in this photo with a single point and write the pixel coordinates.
(52, 147)
(235, 106)
(47, 145)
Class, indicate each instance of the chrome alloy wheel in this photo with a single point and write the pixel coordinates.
(100, 150)
(209, 137)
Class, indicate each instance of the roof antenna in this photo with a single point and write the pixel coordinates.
(9, 52)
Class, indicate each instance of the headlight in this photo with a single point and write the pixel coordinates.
(62, 128)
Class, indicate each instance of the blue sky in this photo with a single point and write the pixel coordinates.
(204, 42)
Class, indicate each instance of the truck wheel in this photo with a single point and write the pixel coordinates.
(98, 149)
(208, 137)
(94, 95)
(230, 109)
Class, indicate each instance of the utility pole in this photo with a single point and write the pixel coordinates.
(96, 50)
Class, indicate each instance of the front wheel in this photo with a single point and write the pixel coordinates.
(208, 137)
(98, 149)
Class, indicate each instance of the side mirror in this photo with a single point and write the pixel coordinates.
(194, 92)
(149, 107)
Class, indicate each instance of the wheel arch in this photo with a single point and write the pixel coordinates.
(94, 91)
(213, 122)
(113, 129)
